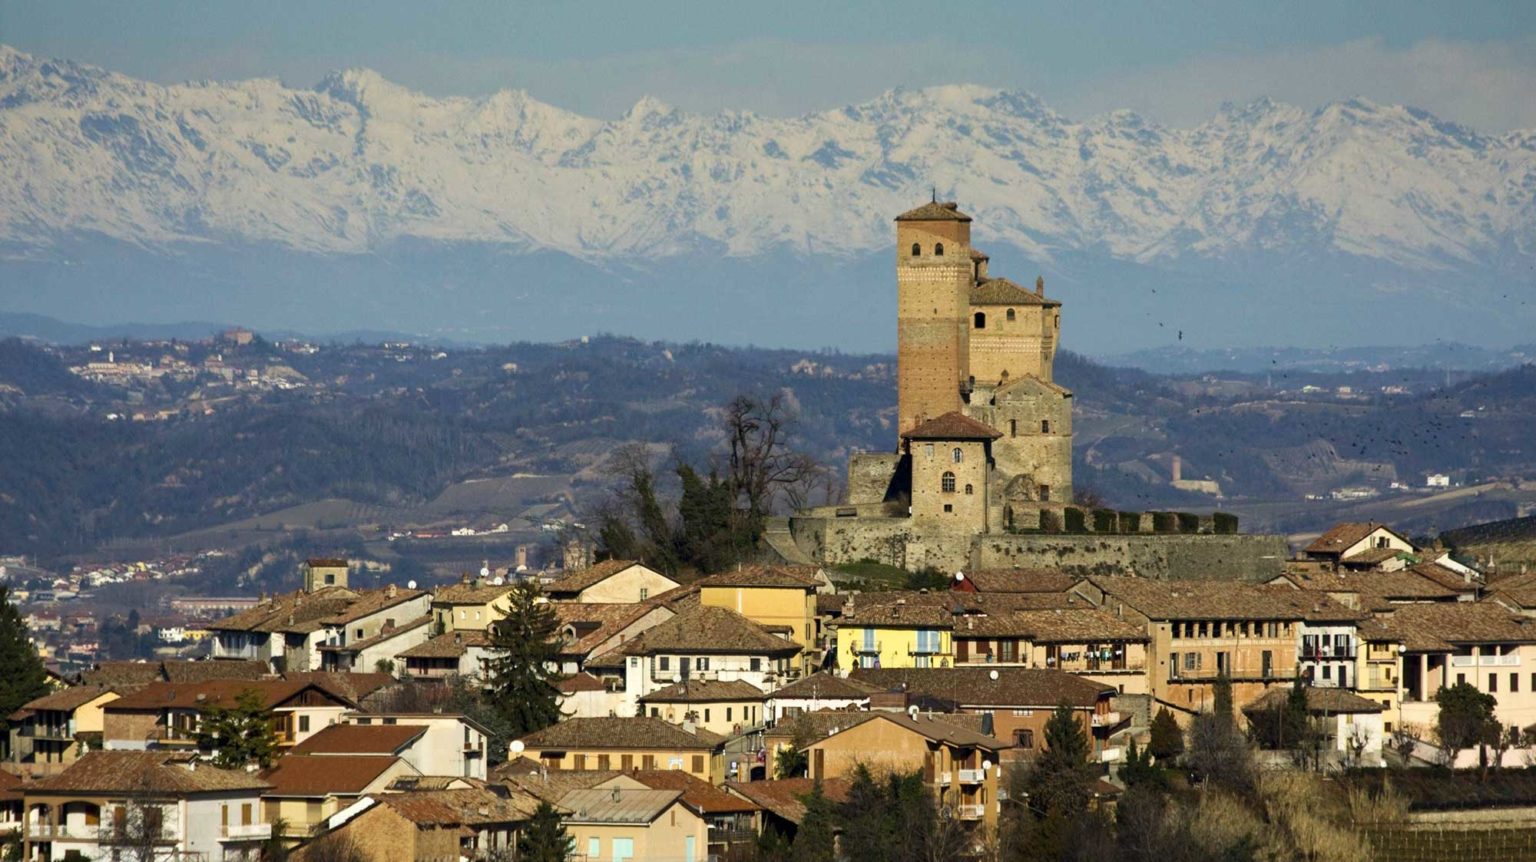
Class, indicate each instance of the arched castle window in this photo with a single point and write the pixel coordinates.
(917, 250)
(1010, 315)
(956, 455)
(968, 490)
(981, 320)
(947, 482)
(938, 249)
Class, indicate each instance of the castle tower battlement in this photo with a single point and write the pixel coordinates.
(934, 275)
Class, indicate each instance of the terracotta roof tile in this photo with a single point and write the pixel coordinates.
(1020, 580)
(709, 630)
(935, 211)
(953, 426)
(67, 699)
(1196, 599)
(825, 685)
(1001, 291)
(358, 646)
(617, 805)
(580, 579)
(301, 612)
(1341, 536)
(145, 772)
(449, 644)
(327, 774)
(467, 592)
(705, 691)
(794, 577)
(1440, 626)
(784, 797)
(361, 739)
(1014, 687)
(1060, 625)
(617, 733)
(1320, 701)
(698, 794)
(203, 695)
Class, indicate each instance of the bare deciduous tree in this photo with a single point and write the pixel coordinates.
(761, 463)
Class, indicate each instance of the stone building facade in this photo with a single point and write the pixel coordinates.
(984, 433)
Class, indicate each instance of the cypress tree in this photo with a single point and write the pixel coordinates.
(24, 678)
(239, 736)
(522, 671)
(1060, 780)
(1167, 739)
(814, 841)
(544, 839)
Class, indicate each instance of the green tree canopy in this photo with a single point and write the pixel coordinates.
(1466, 716)
(814, 841)
(521, 674)
(1167, 740)
(25, 678)
(240, 735)
(1060, 779)
(544, 839)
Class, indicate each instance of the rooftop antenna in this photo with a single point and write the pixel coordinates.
(935, 192)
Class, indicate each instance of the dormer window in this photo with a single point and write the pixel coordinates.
(917, 250)
(938, 249)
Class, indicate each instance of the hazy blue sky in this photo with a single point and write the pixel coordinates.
(1474, 62)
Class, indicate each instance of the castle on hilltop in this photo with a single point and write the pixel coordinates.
(981, 475)
(985, 433)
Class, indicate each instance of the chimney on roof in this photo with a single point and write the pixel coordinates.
(389, 591)
(1178, 469)
(1039, 285)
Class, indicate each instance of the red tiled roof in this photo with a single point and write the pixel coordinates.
(135, 772)
(935, 211)
(171, 695)
(784, 796)
(328, 774)
(953, 426)
(698, 794)
(361, 739)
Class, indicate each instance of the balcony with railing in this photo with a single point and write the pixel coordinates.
(944, 778)
(1105, 719)
(972, 776)
(245, 832)
(1510, 660)
(970, 812)
(47, 731)
(1326, 653)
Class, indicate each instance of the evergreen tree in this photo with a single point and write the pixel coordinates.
(663, 550)
(1138, 770)
(1167, 740)
(522, 671)
(544, 839)
(814, 841)
(707, 538)
(1060, 779)
(238, 736)
(24, 678)
(866, 828)
(1466, 716)
(1222, 694)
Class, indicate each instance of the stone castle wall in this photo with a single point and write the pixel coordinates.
(898, 542)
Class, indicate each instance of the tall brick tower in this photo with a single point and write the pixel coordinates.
(934, 274)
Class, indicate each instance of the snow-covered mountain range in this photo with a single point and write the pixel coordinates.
(360, 197)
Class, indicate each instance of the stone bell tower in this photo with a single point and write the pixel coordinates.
(934, 274)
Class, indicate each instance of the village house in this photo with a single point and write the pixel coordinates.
(55, 729)
(583, 695)
(1482, 644)
(614, 824)
(705, 643)
(1349, 722)
(1013, 581)
(611, 581)
(306, 789)
(590, 630)
(781, 599)
(288, 631)
(109, 803)
(724, 707)
(959, 764)
(903, 630)
(1328, 653)
(376, 654)
(1359, 545)
(459, 653)
(1202, 631)
(626, 744)
(781, 801)
(434, 825)
(1016, 701)
(442, 744)
(1379, 670)
(815, 693)
(167, 715)
(1081, 640)
(731, 821)
(469, 605)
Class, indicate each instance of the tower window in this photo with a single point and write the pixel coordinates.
(1045, 493)
(938, 249)
(917, 250)
(969, 490)
(981, 320)
(947, 482)
(1013, 427)
(956, 455)
(1045, 426)
(1010, 315)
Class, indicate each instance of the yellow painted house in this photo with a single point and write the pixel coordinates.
(469, 605)
(895, 634)
(779, 598)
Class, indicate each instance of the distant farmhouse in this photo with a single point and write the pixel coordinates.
(982, 469)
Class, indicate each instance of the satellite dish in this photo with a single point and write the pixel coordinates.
(485, 572)
(959, 576)
(498, 581)
(992, 675)
(912, 712)
(410, 585)
(986, 765)
(516, 746)
(677, 677)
